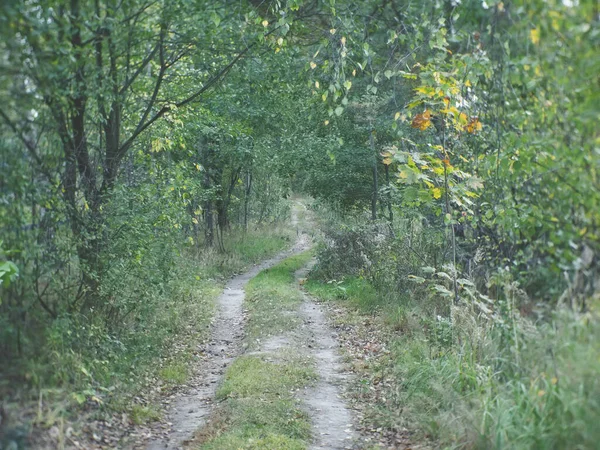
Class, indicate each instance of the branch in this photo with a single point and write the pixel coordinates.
(140, 69)
(30, 147)
(165, 109)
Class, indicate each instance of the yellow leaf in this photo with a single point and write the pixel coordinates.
(554, 380)
(265, 23)
(277, 50)
(422, 121)
(343, 40)
(387, 161)
(195, 220)
(541, 393)
(326, 122)
(354, 73)
(332, 31)
(534, 35)
(437, 193)
(397, 116)
(426, 90)
(280, 41)
(312, 65)
(474, 125)
(317, 84)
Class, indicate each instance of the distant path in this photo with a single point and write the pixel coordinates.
(190, 411)
(332, 420)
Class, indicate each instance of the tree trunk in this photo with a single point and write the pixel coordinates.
(375, 180)
(389, 194)
(247, 198)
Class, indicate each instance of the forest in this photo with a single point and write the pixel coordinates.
(272, 215)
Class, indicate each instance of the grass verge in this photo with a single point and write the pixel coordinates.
(460, 384)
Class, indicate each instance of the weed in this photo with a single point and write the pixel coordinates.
(174, 373)
(141, 415)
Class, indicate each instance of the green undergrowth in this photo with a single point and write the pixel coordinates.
(259, 406)
(356, 291)
(110, 369)
(514, 385)
(272, 298)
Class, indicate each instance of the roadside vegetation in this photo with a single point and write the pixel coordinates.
(88, 369)
(464, 375)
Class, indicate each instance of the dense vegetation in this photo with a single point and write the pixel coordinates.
(148, 148)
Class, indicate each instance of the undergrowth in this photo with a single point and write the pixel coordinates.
(479, 388)
(92, 365)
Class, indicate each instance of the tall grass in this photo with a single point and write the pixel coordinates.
(468, 382)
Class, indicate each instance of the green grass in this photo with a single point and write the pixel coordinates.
(272, 297)
(141, 415)
(259, 406)
(357, 291)
(176, 373)
(468, 385)
(259, 409)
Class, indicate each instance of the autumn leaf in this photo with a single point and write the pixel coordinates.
(436, 192)
(422, 121)
(474, 125)
(387, 158)
(534, 35)
(312, 65)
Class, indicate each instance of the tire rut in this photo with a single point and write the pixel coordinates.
(190, 410)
